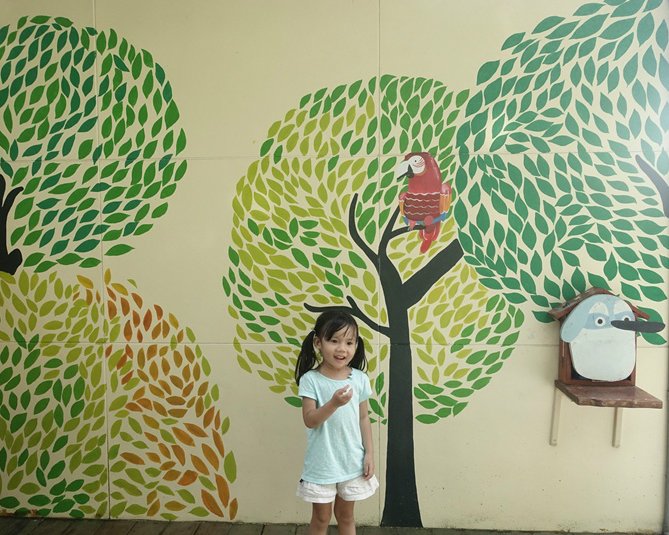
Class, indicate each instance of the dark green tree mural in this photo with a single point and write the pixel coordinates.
(549, 198)
(86, 156)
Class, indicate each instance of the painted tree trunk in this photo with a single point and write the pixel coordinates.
(401, 503)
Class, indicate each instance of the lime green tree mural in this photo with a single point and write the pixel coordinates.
(52, 399)
(75, 141)
(310, 234)
(540, 161)
(166, 452)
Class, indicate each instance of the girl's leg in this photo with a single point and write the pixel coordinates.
(344, 514)
(320, 518)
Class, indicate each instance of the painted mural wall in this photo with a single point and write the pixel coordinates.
(185, 186)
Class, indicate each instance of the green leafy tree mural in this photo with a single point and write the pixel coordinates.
(166, 452)
(549, 198)
(75, 143)
(583, 104)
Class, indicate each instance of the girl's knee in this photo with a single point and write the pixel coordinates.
(344, 512)
(322, 513)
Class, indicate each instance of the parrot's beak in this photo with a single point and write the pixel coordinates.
(403, 170)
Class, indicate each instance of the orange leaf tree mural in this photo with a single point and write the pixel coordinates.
(166, 452)
(316, 217)
(73, 136)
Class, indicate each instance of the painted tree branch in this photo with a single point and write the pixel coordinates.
(9, 262)
(440, 264)
(357, 239)
(660, 185)
(355, 311)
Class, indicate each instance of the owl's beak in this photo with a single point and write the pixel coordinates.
(638, 326)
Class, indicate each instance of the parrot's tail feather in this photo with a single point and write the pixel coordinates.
(428, 235)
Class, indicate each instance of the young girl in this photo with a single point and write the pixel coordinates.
(339, 463)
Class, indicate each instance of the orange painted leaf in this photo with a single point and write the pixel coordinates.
(187, 390)
(211, 456)
(178, 359)
(174, 506)
(152, 351)
(183, 437)
(164, 450)
(151, 496)
(223, 490)
(137, 299)
(202, 390)
(167, 466)
(166, 329)
(156, 391)
(153, 457)
(153, 370)
(199, 465)
(177, 413)
(152, 438)
(166, 366)
(158, 407)
(196, 430)
(153, 510)
(176, 381)
(188, 477)
(233, 509)
(159, 311)
(135, 319)
(210, 503)
(189, 354)
(179, 453)
(155, 333)
(111, 310)
(125, 306)
(146, 403)
(176, 400)
(132, 458)
(209, 416)
(218, 441)
(133, 407)
(171, 475)
(148, 319)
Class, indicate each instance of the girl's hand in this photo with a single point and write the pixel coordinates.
(342, 396)
(368, 466)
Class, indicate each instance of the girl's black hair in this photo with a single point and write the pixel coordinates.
(327, 324)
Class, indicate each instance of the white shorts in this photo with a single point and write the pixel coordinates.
(352, 490)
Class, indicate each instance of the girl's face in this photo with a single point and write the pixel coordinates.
(339, 350)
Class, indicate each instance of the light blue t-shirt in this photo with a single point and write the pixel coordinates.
(334, 449)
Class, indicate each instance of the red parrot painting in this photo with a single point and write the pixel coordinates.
(427, 200)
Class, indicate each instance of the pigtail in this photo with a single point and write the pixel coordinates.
(359, 360)
(306, 360)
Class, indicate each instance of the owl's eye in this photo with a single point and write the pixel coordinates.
(600, 321)
(627, 318)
